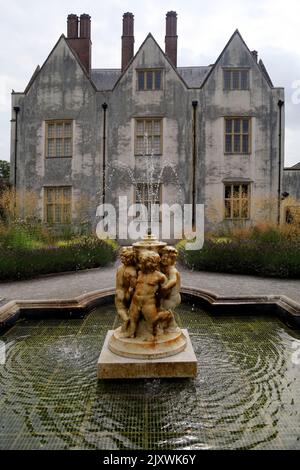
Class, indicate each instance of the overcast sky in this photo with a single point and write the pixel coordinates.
(30, 28)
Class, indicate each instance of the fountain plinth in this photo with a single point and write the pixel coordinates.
(149, 343)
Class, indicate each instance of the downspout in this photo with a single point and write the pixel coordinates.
(194, 104)
(104, 107)
(280, 105)
(16, 110)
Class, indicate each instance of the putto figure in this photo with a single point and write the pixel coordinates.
(125, 282)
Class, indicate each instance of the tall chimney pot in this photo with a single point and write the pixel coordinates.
(127, 39)
(171, 37)
(72, 26)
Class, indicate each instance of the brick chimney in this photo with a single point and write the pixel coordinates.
(171, 37)
(127, 40)
(81, 43)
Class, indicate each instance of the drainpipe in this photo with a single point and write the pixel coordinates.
(280, 105)
(16, 110)
(104, 107)
(194, 104)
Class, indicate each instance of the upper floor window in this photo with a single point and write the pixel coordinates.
(148, 136)
(237, 201)
(238, 135)
(58, 204)
(236, 79)
(58, 139)
(149, 79)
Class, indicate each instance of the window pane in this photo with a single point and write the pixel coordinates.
(59, 147)
(149, 80)
(156, 127)
(68, 151)
(51, 148)
(244, 79)
(237, 143)
(141, 80)
(140, 145)
(67, 131)
(236, 191)
(227, 191)
(235, 80)
(49, 213)
(158, 80)
(237, 126)
(244, 190)
(245, 144)
(228, 144)
(226, 77)
(244, 209)
(228, 125)
(140, 127)
(59, 130)
(156, 144)
(245, 126)
(228, 209)
(236, 208)
(51, 130)
(57, 213)
(149, 127)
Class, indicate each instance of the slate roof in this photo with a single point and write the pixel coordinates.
(296, 167)
(105, 79)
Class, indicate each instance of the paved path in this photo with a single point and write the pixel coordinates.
(70, 285)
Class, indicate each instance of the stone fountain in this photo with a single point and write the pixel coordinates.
(148, 343)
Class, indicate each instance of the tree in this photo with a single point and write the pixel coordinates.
(4, 171)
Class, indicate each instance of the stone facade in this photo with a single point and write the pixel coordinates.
(192, 105)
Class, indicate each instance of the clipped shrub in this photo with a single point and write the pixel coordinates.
(22, 262)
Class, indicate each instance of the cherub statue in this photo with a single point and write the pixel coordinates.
(171, 289)
(144, 300)
(125, 282)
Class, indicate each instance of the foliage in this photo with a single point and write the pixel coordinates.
(23, 259)
(264, 250)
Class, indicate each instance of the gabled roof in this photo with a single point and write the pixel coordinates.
(162, 52)
(237, 33)
(39, 69)
(295, 167)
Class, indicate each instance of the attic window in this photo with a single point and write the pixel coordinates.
(236, 79)
(149, 79)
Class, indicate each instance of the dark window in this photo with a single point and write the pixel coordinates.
(149, 80)
(236, 79)
(237, 201)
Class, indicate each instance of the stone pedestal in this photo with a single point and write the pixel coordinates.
(113, 366)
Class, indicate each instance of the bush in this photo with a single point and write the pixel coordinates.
(21, 261)
(268, 251)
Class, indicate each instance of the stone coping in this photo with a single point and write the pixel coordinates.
(13, 310)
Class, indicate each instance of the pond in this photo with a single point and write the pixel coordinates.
(246, 394)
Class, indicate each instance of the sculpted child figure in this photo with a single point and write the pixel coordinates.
(144, 300)
(125, 282)
(170, 290)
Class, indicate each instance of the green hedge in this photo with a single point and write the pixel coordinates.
(89, 252)
(256, 257)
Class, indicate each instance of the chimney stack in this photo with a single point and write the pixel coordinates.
(72, 26)
(81, 44)
(171, 37)
(127, 40)
(255, 55)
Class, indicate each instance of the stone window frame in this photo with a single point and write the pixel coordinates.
(237, 202)
(151, 71)
(233, 71)
(153, 134)
(233, 133)
(60, 199)
(62, 137)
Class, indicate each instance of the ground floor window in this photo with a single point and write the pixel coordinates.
(58, 204)
(148, 194)
(237, 201)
